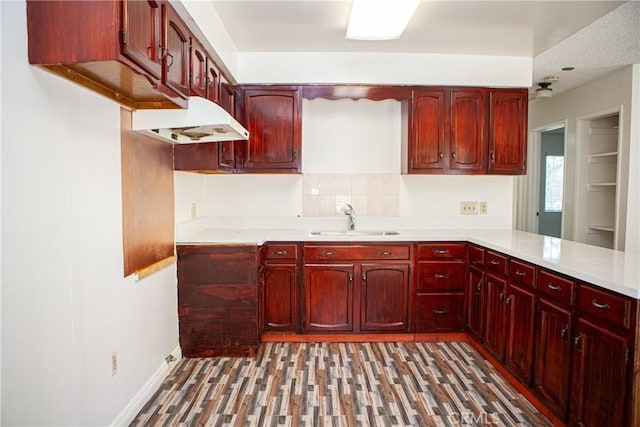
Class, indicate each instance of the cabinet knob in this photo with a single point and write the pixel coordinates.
(441, 155)
(493, 156)
(441, 251)
(386, 253)
(328, 253)
(280, 252)
(563, 333)
(576, 342)
(440, 311)
(453, 155)
(501, 296)
(441, 276)
(520, 273)
(494, 262)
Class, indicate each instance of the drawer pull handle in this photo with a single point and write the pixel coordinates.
(441, 251)
(596, 304)
(440, 311)
(554, 288)
(501, 296)
(520, 273)
(386, 253)
(441, 276)
(328, 253)
(280, 252)
(495, 262)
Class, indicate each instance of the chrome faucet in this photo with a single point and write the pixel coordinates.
(349, 211)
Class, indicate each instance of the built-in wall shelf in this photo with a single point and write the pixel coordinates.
(601, 169)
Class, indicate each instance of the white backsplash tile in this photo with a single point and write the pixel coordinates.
(369, 194)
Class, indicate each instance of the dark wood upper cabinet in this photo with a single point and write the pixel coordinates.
(508, 131)
(272, 117)
(226, 150)
(116, 48)
(198, 83)
(141, 34)
(175, 60)
(428, 150)
(467, 139)
(213, 82)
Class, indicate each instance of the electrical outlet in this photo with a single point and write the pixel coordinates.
(468, 208)
(114, 363)
(482, 208)
(194, 210)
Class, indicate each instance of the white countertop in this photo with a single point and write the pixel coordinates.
(613, 270)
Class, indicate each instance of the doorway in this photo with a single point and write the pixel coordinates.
(551, 182)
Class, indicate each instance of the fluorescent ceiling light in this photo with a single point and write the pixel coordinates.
(380, 19)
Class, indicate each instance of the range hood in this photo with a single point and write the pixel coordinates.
(203, 121)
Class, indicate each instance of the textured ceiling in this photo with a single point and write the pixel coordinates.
(596, 37)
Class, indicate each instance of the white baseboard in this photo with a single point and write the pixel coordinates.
(129, 413)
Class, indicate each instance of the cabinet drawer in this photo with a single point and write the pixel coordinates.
(281, 251)
(356, 252)
(429, 251)
(556, 287)
(439, 312)
(496, 263)
(605, 305)
(440, 275)
(522, 273)
(476, 256)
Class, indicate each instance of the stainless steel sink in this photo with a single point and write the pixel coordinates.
(354, 233)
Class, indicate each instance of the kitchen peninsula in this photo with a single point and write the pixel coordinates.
(551, 312)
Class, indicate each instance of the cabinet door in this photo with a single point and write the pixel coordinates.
(198, 69)
(468, 140)
(213, 82)
(384, 297)
(508, 131)
(226, 155)
(141, 34)
(427, 143)
(476, 305)
(519, 342)
(494, 332)
(280, 308)
(273, 120)
(175, 62)
(552, 357)
(599, 376)
(328, 297)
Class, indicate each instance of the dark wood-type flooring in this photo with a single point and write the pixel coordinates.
(341, 384)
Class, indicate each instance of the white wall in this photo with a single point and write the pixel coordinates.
(613, 91)
(344, 141)
(384, 68)
(65, 304)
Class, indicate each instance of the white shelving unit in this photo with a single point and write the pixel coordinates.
(602, 179)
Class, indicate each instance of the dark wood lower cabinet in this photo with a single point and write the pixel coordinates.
(328, 297)
(218, 300)
(520, 326)
(475, 303)
(495, 328)
(599, 376)
(280, 298)
(552, 360)
(440, 312)
(384, 295)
